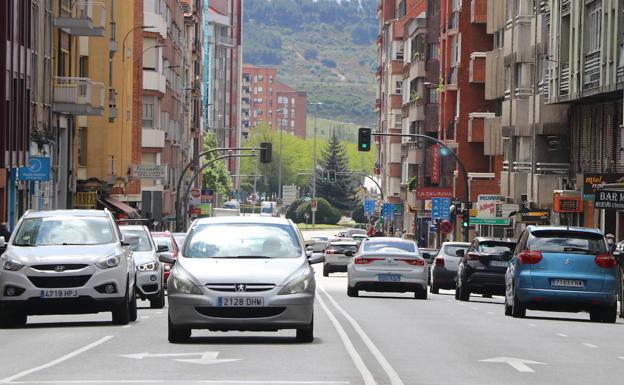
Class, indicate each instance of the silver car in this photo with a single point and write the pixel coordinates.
(67, 262)
(242, 273)
(149, 271)
(388, 265)
(338, 255)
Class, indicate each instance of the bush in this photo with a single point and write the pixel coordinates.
(358, 215)
(326, 214)
(291, 213)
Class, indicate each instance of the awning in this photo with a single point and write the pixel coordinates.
(119, 207)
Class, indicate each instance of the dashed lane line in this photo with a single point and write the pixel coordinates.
(562, 335)
(590, 345)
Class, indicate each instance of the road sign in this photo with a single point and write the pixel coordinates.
(446, 227)
(388, 210)
(489, 221)
(441, 208)
(289, 194)
(38, 169)
(369, 207)
(313, 204)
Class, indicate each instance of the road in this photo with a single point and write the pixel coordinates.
(374, 339)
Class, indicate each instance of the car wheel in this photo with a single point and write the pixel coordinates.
(464, 294)
(306, 334)
(434, 289)
(507, 307)
(121, 312)
(606, 314)
(517, 309)
(325, 271)
(420, 294)
(12, 319)
(352, 292)
(133, 307)
(176, 334)
(159, 301)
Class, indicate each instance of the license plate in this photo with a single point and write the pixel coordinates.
(389, 277)
(567, 283)
(241, 301)
(499, 263)
(59, 293)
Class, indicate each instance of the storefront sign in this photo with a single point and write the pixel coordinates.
(435, 164)
(149, 171)
(426, 193)
(38, 169)
(535, 217)
(595, 182)
(610, 200)
(488, 206)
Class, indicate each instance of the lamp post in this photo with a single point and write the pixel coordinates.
(314, 161)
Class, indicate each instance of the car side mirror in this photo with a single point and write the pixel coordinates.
(309, 253)
(316, 258)
(130, 240)
(460, 253)
(162, 248)
(348, 253)
(166, 258)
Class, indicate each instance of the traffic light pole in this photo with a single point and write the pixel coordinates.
(367, 176)
(459, 163)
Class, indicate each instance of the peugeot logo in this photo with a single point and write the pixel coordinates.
(240, 287)
(567, 261)
(59, 268)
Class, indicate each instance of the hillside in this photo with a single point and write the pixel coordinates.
(325, 48)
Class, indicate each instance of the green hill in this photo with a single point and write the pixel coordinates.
(324, 47)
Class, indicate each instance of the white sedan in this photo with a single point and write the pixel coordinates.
(388, 265)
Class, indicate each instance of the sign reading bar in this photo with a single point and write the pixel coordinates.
(149, 171)
(594, 182)
(610, 200)
(426, 193)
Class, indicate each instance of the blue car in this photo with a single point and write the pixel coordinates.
(557, 268)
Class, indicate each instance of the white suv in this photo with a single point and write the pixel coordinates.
(67, 262)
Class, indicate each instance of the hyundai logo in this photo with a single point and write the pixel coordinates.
(59, 268)
(240, 287)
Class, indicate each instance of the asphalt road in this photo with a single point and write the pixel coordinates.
(374, 339)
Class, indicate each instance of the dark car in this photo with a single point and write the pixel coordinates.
(482, 268)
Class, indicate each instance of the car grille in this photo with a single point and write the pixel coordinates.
(56, 267)
(240, 312)
(59, 282)
(232, 287)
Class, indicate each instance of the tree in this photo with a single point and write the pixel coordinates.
(216, 176)
(341, 193)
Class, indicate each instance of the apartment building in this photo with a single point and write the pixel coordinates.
(266, 100)
(585, 71)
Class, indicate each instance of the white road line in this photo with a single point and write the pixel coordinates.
(562, 335)
(127, 326)
(145, 317)
(532, 325)
(57, 361)
(490, 313)
(367, 376)
(242, 382)
(474, 308)
(392, 374)
(590, 345)
(621, 358)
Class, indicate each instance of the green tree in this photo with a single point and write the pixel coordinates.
(341, 193)
(216, 176)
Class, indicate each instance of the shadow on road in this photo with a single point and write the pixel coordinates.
(247, 340)
(74, 324)
(544, 318)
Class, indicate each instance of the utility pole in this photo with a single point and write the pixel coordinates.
(281, 160)
(314, 161)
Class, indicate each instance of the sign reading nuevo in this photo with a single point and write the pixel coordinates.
(607, 199)
(149, 171)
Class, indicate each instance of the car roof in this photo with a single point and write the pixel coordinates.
(161, 234)
(132, 227)
(456, 244)
(490, 239)
(66, 213)
(344, 243)
(388, 239)
(564, 228)
(243, 220)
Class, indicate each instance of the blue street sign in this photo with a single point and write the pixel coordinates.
(441, 208)
(388, 210)
(369, 207)
(38, 169)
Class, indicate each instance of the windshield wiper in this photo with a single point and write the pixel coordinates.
(23, 244)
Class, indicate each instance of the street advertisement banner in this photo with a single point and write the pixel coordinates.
(592, 182)
(435, 164)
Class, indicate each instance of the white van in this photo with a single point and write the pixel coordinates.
(268, 209)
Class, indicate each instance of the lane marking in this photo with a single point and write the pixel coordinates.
(145, 317)
(474, 308)
(590, 345)
(392, 374)
(519, 364)
(562, 335)
(58, 360)
(242, 382)
(127, 326)
(367, 376)
(490, 313)
(532, 325)
(621, 358)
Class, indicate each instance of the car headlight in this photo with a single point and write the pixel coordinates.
(109, 261)
(150, 266)
(184, 284)
(297, 285)
(11, 264)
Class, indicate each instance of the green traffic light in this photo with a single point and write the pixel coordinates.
(364, 145)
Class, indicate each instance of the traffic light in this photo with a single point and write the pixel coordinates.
(325, 175)
(364, 139)
(266, 152)
(332, 176)
(465, 219)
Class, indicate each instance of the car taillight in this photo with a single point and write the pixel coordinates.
(606, 261)
(330, 251)
(472, 257)
(365, 261)
(439, 261)
(414, 262)
(530, 257)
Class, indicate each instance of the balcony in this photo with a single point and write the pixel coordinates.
(417, 70)
(87, 18)
(591, 72)
(225, 41)
(620, 74)
(78, 96)
(152, 138)
(377, 104)
(154, 81)
(477, 67)
(478, 11)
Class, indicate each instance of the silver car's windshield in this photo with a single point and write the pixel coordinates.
(64, 231)
(242, 240)
(144, 242)
(389, 246)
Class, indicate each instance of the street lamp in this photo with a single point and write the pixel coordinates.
(314, 157)
(128, 34)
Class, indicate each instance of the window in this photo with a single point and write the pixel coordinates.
(594, 26)
(292, 124)
(148, 111)
(260, 78)
(82, 147)
(433, 51)
(402, 10)
(398, 87)
(433, 95)
(83, 66)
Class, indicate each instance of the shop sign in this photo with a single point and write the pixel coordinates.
(594, 182)
(149, 171)
(426, 193)
(538, 216)
(609, 199)
(435, 164)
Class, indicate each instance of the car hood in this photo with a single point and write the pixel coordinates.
(223, 270)
(62, 254)
(141, 257)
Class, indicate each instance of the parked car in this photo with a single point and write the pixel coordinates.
(242, 273)
(338, 255)
(359, 237)
(387, 264)
(562, 269)
(482, 268)
(166, 238)
(445, 264)
(67, 262)
(149, 271)
(179, 238)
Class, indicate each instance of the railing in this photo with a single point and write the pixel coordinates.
(620, 74)
(540, 167)
(564, 80)
(453, 20)
(71, 90)
(591, 71)
(544, 87)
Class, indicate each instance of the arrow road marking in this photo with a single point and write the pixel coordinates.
(206, 358)
(519, 364)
